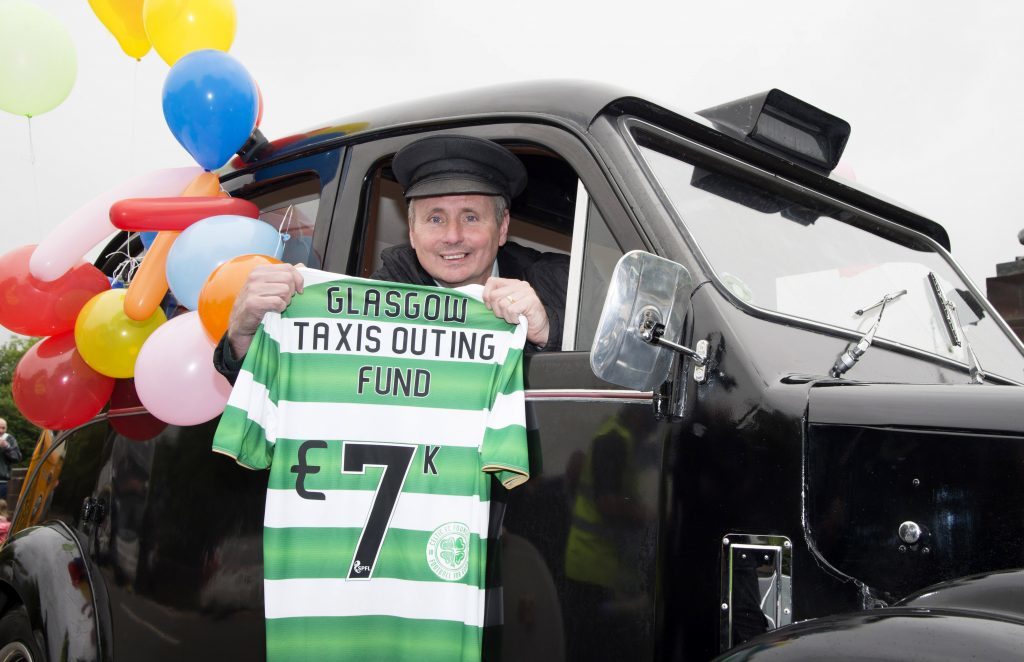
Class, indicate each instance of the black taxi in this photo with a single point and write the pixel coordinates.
(783, 422)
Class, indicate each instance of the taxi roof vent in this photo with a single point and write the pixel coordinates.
(783, 123)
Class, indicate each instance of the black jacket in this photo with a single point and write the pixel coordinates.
(547, 273)
(11, 455)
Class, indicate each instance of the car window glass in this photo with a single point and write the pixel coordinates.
(601, 253)
(291, 207)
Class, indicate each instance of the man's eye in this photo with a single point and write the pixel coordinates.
(434, 220)
(470, 218)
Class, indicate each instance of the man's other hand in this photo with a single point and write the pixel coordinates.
(269, 287)
(508, 298)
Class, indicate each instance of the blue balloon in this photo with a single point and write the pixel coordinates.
(211, 242)
(147, 238)
(210, 104)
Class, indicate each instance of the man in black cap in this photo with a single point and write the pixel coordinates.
(459, 189)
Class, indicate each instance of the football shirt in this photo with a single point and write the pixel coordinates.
(381, 409)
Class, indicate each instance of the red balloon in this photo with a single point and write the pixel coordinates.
(139, 426)
(55, 388)
(33, 307)
(175, 214)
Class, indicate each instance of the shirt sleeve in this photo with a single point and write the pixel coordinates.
(248, 429)
(504, 448)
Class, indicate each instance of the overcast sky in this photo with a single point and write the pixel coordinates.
(932, 89)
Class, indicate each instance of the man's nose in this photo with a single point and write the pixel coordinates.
(453, 233)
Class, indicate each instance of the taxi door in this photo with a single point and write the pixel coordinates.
(575, 574)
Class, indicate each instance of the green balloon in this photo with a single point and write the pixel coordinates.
(37, 59)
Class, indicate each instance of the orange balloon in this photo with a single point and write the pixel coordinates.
(221, 289)
(204, 185)
(149, 284)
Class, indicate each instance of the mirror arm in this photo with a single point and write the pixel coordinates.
(651, 331)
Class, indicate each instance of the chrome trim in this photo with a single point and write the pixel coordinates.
(576, 258)
(586, 395)
(700, 370)
(626, 124)
(768, 561)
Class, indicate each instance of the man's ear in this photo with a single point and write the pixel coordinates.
(503, 229)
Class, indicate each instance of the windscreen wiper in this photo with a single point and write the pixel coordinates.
(951, 321)
(854, 351)
(946, 308)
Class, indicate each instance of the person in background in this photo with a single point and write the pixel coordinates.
(5, 522)
(10, 455)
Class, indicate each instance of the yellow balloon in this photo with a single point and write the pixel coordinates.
(109, 340)
(124, 20)
(178, 27)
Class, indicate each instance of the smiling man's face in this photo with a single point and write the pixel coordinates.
(456, 237)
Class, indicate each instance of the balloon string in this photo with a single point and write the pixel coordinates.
(282, 229)
(35, 178)
(126, 270)
(134, 112)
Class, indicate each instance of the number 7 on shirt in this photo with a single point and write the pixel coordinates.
(395, 459)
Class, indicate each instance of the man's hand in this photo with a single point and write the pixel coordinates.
(508, 298)
(269, 287)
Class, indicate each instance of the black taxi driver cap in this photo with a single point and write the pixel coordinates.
(458, 165)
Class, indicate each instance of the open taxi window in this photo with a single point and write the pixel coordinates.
(541, 216)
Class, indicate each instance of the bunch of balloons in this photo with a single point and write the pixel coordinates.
(101, 336)
(173, 27)
(105, 342)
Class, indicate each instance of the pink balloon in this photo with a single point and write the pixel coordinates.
(174, 374)
(90, 224)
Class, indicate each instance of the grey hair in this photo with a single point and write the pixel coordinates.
(500, 207)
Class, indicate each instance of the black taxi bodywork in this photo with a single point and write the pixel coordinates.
(756, 501)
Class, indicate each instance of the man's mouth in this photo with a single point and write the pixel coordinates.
(453, 256)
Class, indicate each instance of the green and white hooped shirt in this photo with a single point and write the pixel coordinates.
(380, 409)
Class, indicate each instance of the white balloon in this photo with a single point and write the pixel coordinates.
(90, 224)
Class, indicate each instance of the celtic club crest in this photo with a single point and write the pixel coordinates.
(448, 551)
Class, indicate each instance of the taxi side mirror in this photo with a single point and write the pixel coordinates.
(641, 321)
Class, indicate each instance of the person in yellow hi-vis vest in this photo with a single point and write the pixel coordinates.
(611, 526)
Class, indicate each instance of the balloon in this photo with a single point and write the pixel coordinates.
(178, 27)
(175, 377)
(210, 104)
(209, 243)
(149, 285)
(54, 388)
(222, 287)
(35, 308)
(37, 59)
(147, 238)
(90, 224)
(124, 20)
(259, 99)
(109, 340)
(175, 213)
(206, 184)
(139, 426)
